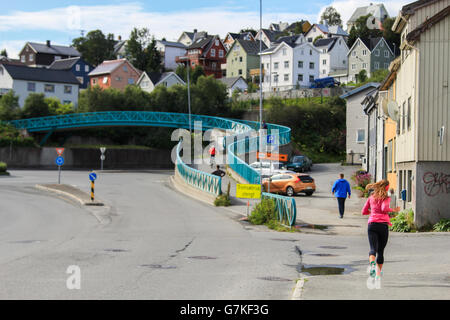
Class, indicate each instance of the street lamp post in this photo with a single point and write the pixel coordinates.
(188, 66)
(260, 88)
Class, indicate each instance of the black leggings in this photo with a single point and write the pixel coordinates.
(378, 237)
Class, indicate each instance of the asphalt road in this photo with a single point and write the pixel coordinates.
(152, 242)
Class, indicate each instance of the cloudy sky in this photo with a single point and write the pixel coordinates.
(61, 21)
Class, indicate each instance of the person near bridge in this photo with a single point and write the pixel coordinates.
(218, 172)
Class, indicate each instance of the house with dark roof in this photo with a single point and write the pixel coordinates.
(114, 74)
(42, 55)
(169, 51)
(78, 66)
(268, 36)
(120, 48)
(242, 57)
(325, 31)
(188, 38)
(207, 52)
(24, 80)
(234, 83)
(369, 54)
(148, 82)
(333, 55)
(231, 37)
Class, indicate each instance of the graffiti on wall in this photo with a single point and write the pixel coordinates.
(436, 183)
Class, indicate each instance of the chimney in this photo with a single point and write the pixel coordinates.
(48, 43)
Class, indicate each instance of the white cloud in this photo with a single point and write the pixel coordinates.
(12, 47)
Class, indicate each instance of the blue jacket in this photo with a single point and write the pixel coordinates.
(340, 188)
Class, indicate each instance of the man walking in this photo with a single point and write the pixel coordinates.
(340, 189)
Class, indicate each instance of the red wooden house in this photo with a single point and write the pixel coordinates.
(207, 52)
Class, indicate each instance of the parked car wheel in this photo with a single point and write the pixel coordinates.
(290, 191)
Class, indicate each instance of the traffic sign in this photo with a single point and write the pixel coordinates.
(102, 150)
(271, 156)
(248, 191)
(59, 161)
(271, 139)
(92, 176)
(59, 151)
(102, 157)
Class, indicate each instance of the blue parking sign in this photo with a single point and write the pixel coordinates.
(59, 161)
(271, 139)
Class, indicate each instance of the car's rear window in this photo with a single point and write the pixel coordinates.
(306, 179)
(298, 159)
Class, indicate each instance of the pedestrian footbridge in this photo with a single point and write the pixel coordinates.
(238, 143)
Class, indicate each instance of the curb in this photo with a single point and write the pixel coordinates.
(189, 191)
(68, 194)
(298, 290)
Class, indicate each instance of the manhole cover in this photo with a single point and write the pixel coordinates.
(319, 271)
(158, 266)
(202, 257)
(332, 247)
(271, 278)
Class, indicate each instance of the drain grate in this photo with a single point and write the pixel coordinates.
(157, 266)
(272, 278)
(202, 257)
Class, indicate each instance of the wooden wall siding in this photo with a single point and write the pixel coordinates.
(434, 100)
(427, 11)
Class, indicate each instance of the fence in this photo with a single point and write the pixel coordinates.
(285, 206)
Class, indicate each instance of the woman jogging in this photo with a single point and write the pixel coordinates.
(378, 231)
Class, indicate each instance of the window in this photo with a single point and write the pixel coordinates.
(118, 78)
(353, 66)
(275, 78)
(105, 80)
(300, 77)
(381, 44)
(302, 52)
(130, 81)
(267, 66)
(408, 119)
(353, 53)
(213, 65)
(286, 77)
(67, 102)
(377, 52)
(284, 51)
(300, 64)
(240, 72)
(220, 53)
(364, 52)
(386, 65)
(217, 42)
(400, 180)
(213, 52)
(77, 67)
(125, 68)
(310, 52)
(309, 40)
(364, 65)
(31, 57)
(49, 88)
(94, 81)
(22, 58)
(403, 116)
(389, 157)
(311, 78)
(240, 59)
(275, 65)
(68, 89)
(360, 136)
(386, 54)
(377, 65)
(324, 61)
(311, 65)
(324, 51)
(409, 186)
(324, 71)
(86, 68)
(286, 64)
(31, 86)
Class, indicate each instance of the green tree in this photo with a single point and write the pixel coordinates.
(361, 30)
(9, 106)
(142, 52)
(332, 17)
(95, 47)
(57, 108)
(35, 106)
(4, 53)
(361, 76)
(317, 38)
(391, 36)
(197, 73)
(181, 71)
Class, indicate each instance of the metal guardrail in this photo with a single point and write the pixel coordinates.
(285, 206)
(196, 178)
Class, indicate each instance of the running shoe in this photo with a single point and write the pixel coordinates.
(371, 269)
(370, 283)
(377, 282)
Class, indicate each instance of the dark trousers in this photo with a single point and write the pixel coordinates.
(341, 203)
(378, 238)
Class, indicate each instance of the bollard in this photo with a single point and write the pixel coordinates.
(92, 190)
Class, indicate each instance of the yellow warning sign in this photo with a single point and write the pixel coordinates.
(248, 191)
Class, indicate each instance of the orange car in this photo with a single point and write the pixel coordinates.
(290, 184)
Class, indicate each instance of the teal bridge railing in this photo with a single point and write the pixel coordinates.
(239, 143)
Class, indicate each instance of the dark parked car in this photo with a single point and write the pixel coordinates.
(299, 164)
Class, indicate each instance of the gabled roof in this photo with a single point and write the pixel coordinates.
(272, 35)
(360, 89)
(119, 45)
(289, 40)
(200, 43)
(336, 30)
(229, 82)
(108, 66)
(40, 74)
(54, 49)
(157, 77)
(172, 44)
(374, 9)
(249, 46)
(371, 43)
(64, 64)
